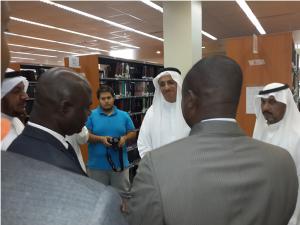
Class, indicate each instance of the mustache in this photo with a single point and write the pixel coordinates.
(267, 112)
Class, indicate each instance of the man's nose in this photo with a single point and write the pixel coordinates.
(166, 87)
(265, 107)
(24, 95)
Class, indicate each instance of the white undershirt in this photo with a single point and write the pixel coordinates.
(53, 133)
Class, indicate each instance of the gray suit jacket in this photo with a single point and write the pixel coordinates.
(36, 193)
(216, 176)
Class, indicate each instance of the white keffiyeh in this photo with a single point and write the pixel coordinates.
(163, 122)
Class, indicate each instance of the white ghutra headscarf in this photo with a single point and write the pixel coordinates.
(9, 83)
(163, 122)
(284, 132)
(16, 125)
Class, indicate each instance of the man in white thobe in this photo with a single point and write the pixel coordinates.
(163, 122)
(278, 123)
(13, 103)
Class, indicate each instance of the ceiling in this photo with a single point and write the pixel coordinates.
(222, 19)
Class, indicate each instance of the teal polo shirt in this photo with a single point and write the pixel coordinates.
(117, 124)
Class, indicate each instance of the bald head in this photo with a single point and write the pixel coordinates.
(211, 89)
(62, 101)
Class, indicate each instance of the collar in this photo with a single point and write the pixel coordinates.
(100, 110)
(53, 133)
(219, 127)
(219, 119)
(6, 116)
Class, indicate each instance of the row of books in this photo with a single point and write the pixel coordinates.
(135, 106)
(125, 70)
(126, 89)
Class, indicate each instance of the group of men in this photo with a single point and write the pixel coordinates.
(210, 174)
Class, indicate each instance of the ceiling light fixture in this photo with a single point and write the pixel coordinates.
(153, 5)
(203, 46)
(244, 6)
(27, 53)
(90, 53)
(21, 58)
(208, 35)
(157, 52)
(57, 42)
(70, 31)
(157, 7)
(44, 49)
(100, 19)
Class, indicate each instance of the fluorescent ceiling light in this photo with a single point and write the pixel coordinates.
(244, 6)
(123, 53)
(90, 53)
(44, 49)
(157, 7)
(22, 58)
(57, 42)
(27, 53)
(209, 35)
(100, 19)
(153, 5)
(70, 31)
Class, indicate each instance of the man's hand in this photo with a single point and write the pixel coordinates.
(104, 140)
(122, 141)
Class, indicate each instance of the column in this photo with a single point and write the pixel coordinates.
(182, 25)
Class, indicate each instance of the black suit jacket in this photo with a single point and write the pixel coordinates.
(41, 145)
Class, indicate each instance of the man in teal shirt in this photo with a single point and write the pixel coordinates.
(106, 123)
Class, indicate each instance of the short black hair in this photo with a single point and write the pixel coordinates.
(169, 69)
(105, 88)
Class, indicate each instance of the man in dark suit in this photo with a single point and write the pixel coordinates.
(217, 175)
(37, 193)
(61, 108)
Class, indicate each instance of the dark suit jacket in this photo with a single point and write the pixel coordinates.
(37, 193)
(41, 145)
(216, 176)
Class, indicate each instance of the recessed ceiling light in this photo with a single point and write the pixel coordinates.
(44, 49)
(244, 6)
(70, 31)
(26, 53)
(157, 52)
(208, 35)
(157, 7)
(90, 53)
(13, 57)
(153, 5)
(100, 19)
(57, 42)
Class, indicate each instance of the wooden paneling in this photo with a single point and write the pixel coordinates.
(276, 50)
(14, 66)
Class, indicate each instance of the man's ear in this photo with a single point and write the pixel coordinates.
(64, 107)
(192, 100)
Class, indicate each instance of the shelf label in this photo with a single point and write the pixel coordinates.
(256, 62)
(74, 61)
